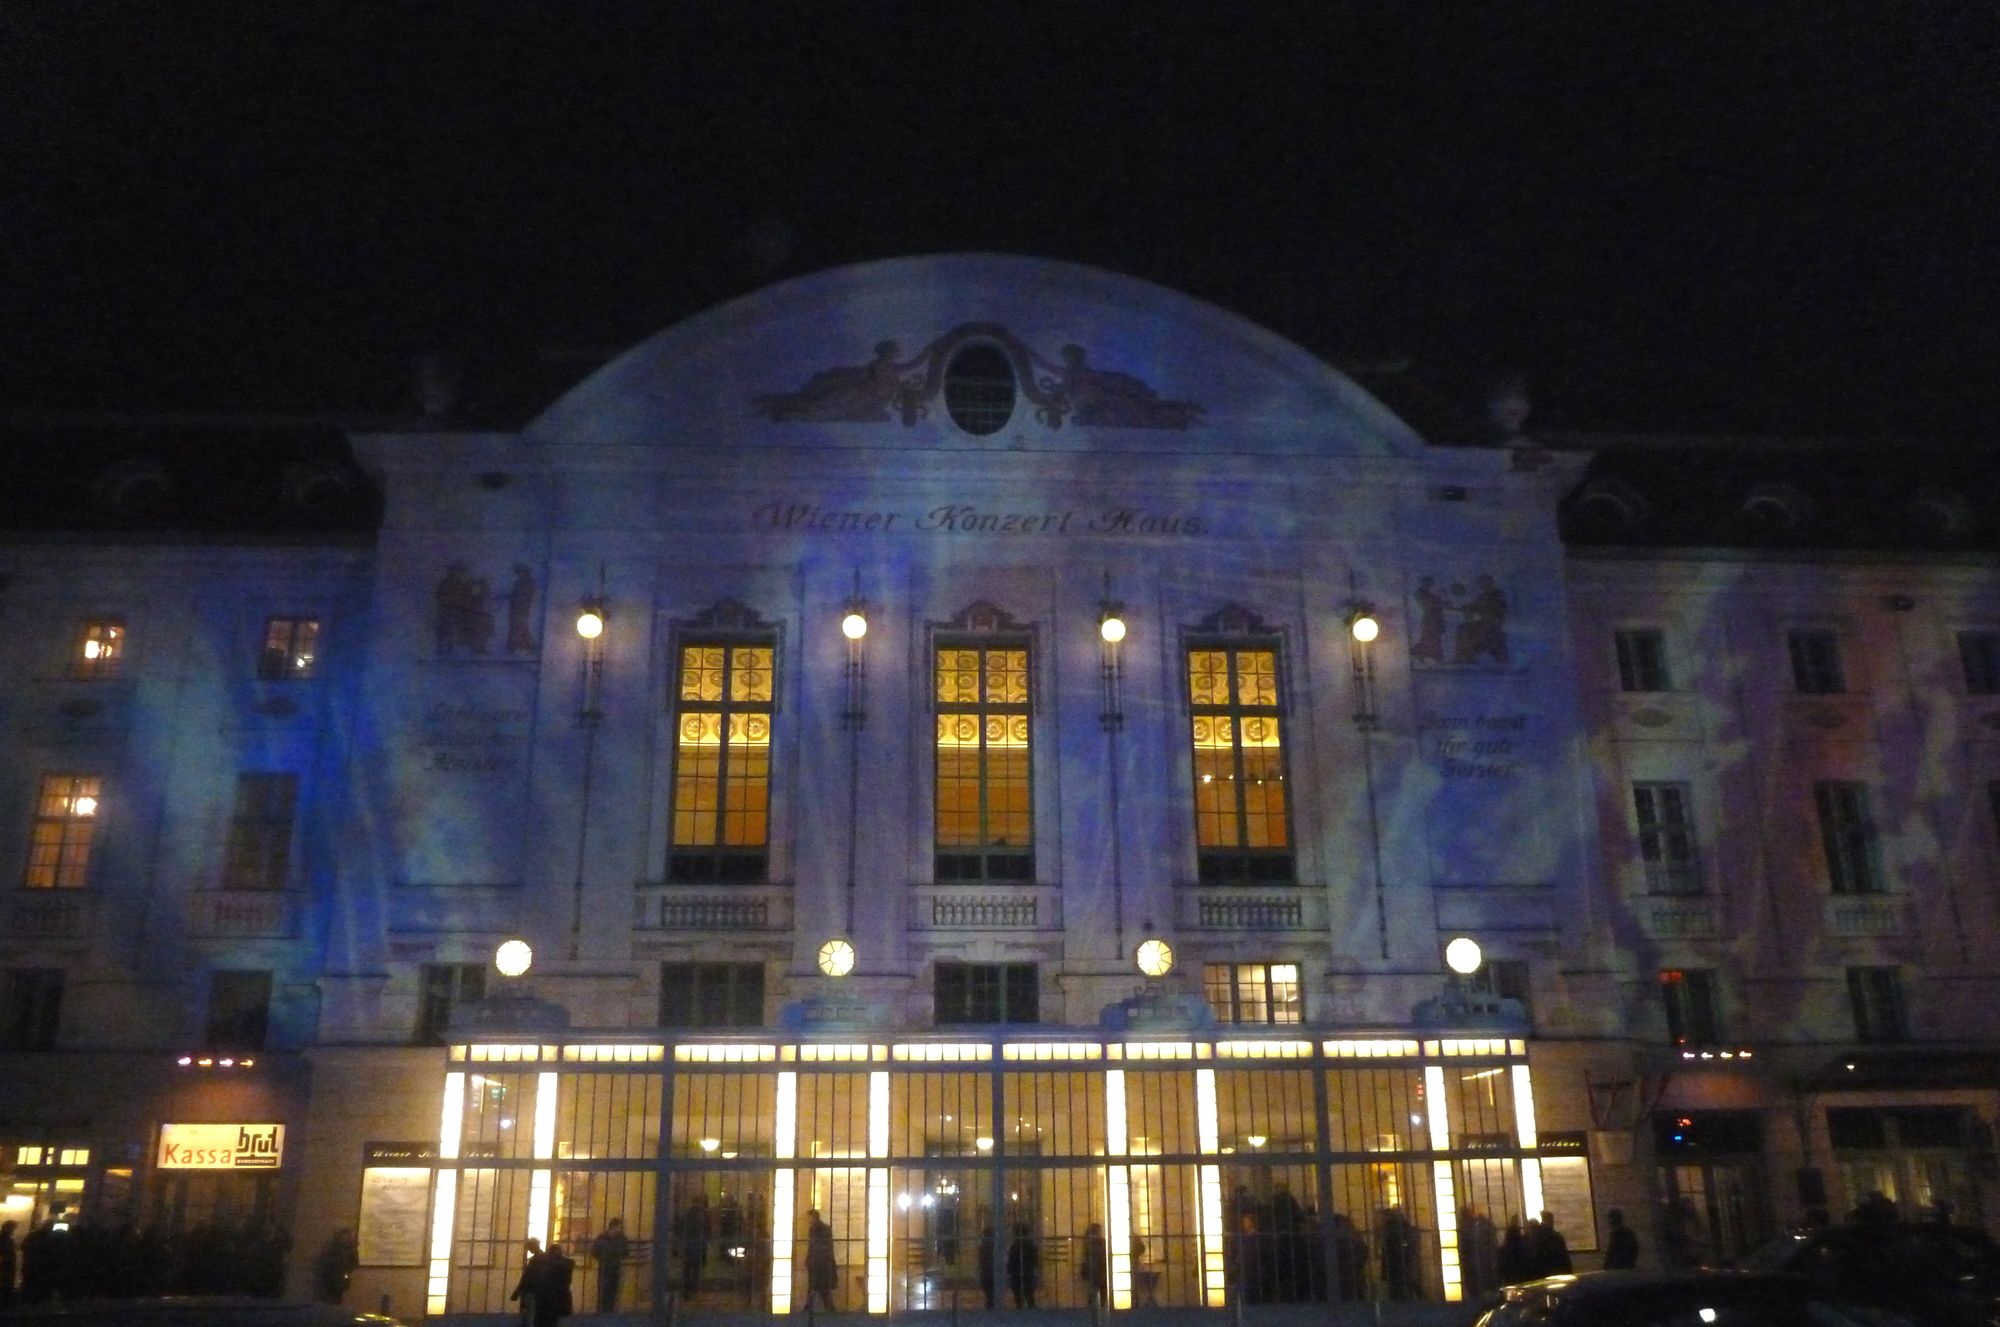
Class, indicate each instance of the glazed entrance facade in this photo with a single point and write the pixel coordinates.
(1212, 1167)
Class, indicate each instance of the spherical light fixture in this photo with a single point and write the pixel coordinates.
(1155, 958)
(1462, 956)
(513, 958)
(1112, 628)
(855, 625)
(590, 622)
(836, 957)
(1364, 626)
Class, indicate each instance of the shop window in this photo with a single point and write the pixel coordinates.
(446, 987)
(1253, 992)
(985, 820)
(1642, 661)
(291, 649)
(722, 761)
(1667, 843)
(987, 993)
(239, 1010)
(1847, 834)
(260, 831)
(65, 829)
(31, 1009)
(1816, 667)
(100, 648)
(1877, 997)
(1693, 1018)
(711, 995)
(1242, 817)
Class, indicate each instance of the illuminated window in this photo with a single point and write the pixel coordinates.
(66, 816)
(260, 831)
(722, 764)
(985, 826)
(987, 993)
(444, 988)
(1692, 1016)
(711, 995)
(291, 648)
(1242, 830)
(1667, 838)
(31, 1009)
(1816, 669)
(1877, 997)
(100, 650)
(239, 1010)
(1979, 656)
(1847, 835)
(1252, 992)
(979, 389)
(1642, 661)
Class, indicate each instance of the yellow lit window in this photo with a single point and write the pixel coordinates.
(65, 825)
(1252, 992)
(100, 649)
(985, 816)
(1242, 821)
(722, 766)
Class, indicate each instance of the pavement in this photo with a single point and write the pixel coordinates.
(1363, 1314)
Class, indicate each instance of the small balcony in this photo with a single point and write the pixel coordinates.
(1668, 917)
(681, 908)
(1255, 910)
(241, 914)
(52, 914)
(986, 908)
(1860, 916)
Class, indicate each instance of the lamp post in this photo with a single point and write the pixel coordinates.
(854, 717)
(1111, 633)
(1363, 629)
(593, 612)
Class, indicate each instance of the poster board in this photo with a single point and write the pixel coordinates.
(1566, 1190)
(395, 1202)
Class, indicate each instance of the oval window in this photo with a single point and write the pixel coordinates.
(979, 389)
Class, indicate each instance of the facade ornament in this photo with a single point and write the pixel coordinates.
(1457, 626)
(463, 612)
(887, 387)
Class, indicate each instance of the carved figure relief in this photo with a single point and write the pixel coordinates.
(1457, 626)
(1071, 389)
(462, 616)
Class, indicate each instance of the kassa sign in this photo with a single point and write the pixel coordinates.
(221, 1146)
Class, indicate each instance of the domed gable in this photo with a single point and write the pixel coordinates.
(973, 352)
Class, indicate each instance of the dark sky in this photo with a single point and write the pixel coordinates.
(1720, 216)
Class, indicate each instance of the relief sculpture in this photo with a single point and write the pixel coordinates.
(1457, 626)
(463, 614)
(890, 387)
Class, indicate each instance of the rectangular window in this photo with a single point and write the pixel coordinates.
(1505, 979)
(1242, 829)
(31, 1009)
(1667, 843)
(1252, 992)
(65, 827)
(987, 993)
(711, 995)
(446, 987)
(1877, 996)
(239, 1010)
(722, 764)
(985, 822)
(291, 648)
(1692, 1016)
(260, 831)
(100, 648)
(1816, 667)
(1979, 656)
(1642, 661)
(1847, 834)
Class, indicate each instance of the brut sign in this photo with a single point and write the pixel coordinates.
(221, 1146)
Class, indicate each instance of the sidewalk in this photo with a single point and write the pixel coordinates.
(1365, 1314)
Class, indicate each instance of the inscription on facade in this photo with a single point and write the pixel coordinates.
(474, 739)
(967, 518)
(1474, 746)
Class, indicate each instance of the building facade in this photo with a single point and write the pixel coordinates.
(916, 716)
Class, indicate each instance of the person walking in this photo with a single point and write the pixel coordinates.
(822, 1268)
(1024, 1267)
(1550, 1251)
(1093, 1268)
(552, 1279)
(693, 1242)
(524, 1289)
(1621, 1247)
(10, 1264)
(609, 1251)
(989, 1286)
(333, 1267)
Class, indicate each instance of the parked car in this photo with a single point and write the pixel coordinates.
(192, 1311)
(1948, 1271)
(1693, 1299)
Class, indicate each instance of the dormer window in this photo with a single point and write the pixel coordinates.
(979, 389)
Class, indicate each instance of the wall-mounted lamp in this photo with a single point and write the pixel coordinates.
(855, 625)
(1111, 626)
(1463, 955)
(1362, 622)
(1111, 630)
(590, 619)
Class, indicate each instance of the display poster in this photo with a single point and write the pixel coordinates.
(1566, 1189)
(394, 1202)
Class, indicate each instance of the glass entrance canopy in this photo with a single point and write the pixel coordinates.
(897, 1174)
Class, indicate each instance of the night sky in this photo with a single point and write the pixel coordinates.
(1721, 217)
